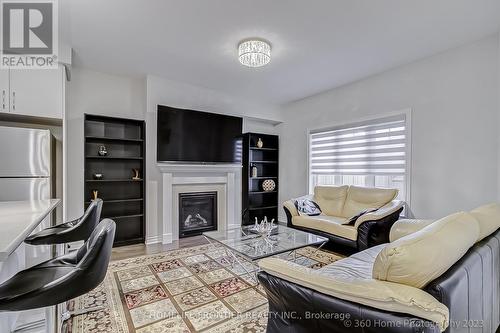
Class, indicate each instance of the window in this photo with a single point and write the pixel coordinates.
(372, 154)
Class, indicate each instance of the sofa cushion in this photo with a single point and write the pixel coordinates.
(329, 224)
(488, 217)
(417, 259)
(363, 198)
(331, 199)
(358, 265)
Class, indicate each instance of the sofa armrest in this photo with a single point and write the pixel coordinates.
(406, 227)
(380, 213)
(291, 210)
(373, 293)
(290, 206)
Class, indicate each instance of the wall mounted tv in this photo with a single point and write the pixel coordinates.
(197, 137)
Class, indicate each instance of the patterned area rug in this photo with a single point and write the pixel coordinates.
(187, 290)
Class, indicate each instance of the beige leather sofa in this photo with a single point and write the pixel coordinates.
(430, 274)
(338, 204)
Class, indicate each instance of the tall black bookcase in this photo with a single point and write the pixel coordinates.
(256, 201)
(123, 197)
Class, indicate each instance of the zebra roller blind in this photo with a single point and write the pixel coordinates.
(372, 153)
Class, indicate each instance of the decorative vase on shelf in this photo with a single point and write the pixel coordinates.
(95, 194)
(254, 171)
(260, 144)
(102, 151)
(136, 174)
(98, 176)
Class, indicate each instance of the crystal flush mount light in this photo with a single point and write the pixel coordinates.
(254, 53)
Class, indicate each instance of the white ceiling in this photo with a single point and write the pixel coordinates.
(317, 44)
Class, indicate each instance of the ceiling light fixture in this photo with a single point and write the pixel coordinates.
(254, 52)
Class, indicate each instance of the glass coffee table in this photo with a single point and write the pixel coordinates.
(242, 244)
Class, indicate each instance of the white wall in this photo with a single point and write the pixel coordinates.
(166, 92)
(95, 93)
(498, 114)
(454, 102)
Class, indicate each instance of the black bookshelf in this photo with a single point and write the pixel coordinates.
(123, 197)
(256, 202)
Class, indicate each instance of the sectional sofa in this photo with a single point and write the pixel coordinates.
(339, 204)
(433, 276)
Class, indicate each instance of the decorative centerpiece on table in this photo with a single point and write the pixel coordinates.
(264, 228)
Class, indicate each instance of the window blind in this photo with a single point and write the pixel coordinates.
(376, 147)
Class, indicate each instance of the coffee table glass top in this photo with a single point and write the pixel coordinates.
(254, 246)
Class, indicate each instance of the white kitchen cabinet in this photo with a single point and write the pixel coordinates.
(37, 92)
(4, 90)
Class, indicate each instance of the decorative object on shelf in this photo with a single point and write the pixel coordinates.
(260, 143)
(254, 171)
(98, 176)
(102, 151)
(95, 194)
(254, 52)
(136, 174)
(268, 185)
(264, 228)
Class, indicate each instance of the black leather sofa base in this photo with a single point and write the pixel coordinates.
(296, 309)
(470, 289)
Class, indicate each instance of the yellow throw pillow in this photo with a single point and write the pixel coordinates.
(419, 258)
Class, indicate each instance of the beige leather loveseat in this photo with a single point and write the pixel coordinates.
(339, 205)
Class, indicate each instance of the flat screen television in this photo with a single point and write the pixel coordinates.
(197, 137)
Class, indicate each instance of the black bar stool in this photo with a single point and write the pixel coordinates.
(79, 229)
(63, 278)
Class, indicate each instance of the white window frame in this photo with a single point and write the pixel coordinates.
(408, 157)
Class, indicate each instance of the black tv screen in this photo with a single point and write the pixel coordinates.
(197, 137)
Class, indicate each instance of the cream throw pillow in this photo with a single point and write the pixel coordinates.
(417, 259)
(488, 217)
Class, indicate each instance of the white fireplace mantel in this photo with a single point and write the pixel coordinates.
(224, 178)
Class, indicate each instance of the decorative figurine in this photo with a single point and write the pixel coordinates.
(260, 144)
(254, 171)
(136, 174)
(102, 151)
(95, 193)
(98, 176)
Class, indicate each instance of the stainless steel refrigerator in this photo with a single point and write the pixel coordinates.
(26, 164)
(26, 173)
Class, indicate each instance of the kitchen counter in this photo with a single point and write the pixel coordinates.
(18, 219)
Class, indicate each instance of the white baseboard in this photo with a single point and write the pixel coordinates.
(153, 240)
(167, 238)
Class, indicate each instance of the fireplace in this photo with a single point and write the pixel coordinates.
(197, 213)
